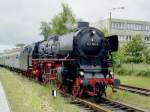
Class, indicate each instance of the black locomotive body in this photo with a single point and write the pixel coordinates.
(90, 49)
(78, 62)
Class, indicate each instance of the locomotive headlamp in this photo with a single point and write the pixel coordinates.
(111, 73)
(93, 33)
(81, 73)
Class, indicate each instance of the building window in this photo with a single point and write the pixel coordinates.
(147, 28)
(143, 27)
(122, 26)
(147, 38)
(128, 37)
(113, 25)
(129, 26)
(139, 27)
(122, 38)
(117, 25)
(136, 27)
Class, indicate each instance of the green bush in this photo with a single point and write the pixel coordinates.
(143, 73)
(133, 69)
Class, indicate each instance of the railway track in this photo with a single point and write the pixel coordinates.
(88, 106)
(137, 90)
(105, 105)
(117, 106)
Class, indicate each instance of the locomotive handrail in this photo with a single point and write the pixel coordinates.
(54, 59)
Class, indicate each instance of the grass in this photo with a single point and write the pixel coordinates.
(135, 75)
(130, 98)
(27, 96)
(133, 69)
(136, 67)
(137, 81)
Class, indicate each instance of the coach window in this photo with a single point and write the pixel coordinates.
(26, 50)
(30, 49)
(17, 56)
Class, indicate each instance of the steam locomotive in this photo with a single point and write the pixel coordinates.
(79, 62)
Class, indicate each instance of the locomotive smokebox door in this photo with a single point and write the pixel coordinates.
(54, 93)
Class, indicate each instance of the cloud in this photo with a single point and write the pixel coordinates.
(20, 19)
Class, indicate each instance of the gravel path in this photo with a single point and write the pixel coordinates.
(4, 107)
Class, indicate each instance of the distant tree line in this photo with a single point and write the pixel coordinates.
(21, 45)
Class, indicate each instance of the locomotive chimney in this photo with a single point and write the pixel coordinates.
(83, 24)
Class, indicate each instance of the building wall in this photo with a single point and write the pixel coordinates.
(125, 29)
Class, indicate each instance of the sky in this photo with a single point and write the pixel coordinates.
(20, 19)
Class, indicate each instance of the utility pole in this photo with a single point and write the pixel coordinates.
(110, 16)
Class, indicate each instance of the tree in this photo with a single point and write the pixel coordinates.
(146, 56)
(59, 24)
(119, 55)
(105, 31)
(45, 29)
(134, 50)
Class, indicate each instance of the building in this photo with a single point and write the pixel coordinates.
(126, 28)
